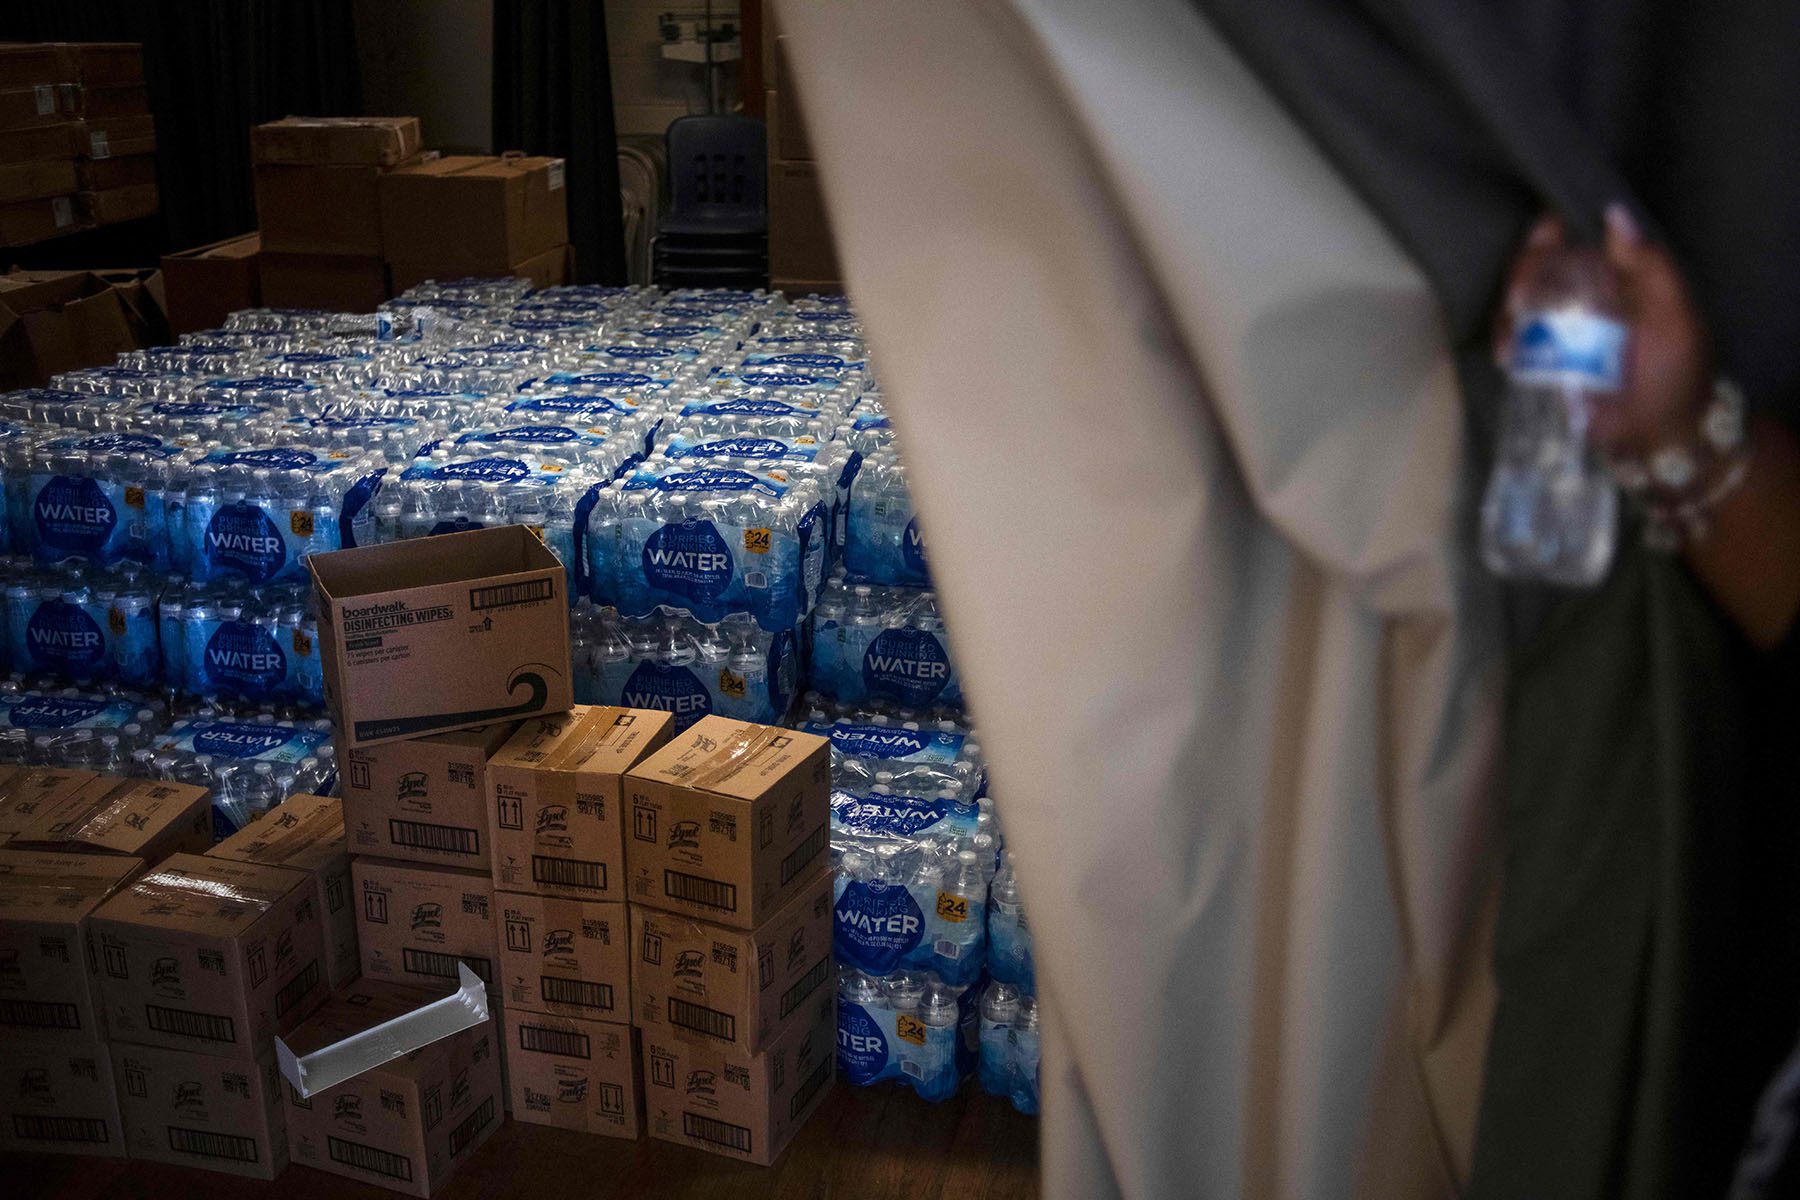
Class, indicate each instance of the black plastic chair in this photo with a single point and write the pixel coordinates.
(718, 201)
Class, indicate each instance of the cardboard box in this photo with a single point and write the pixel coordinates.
(54, 321)
(105, 174)
(729, 821)
(25, 63)
(115, 136)
(202, 286)
(57, 1096)
(423, 800)
(36, 180)
(40, 142)
(370, 141)
(29, 221)
(45, 902)
(218, 1114)
(800, 244)
(145, 818)
(435, 634)
(306, 833)
(415, 923)
(408, 1123)
(574, 1074)
(114, 205)
(319, 209)
(570, 958)
(734, 987)
(34, 105)
(473, 215)
(211, 955)
(552, 268)
(107, 99)
(337, 282)
(554, 794)
(25, 795)
(744, 1106)
(106, 62)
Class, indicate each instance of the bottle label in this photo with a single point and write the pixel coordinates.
(875, 926)
(73, 515)
(907, 665)
(1570, 346)
(66, 712)
(279, 457)
(245, 657)
(862, 1047)
(689, 559)
(61, 637)
(912, 552)
(241, 537)
(671, 689)
(887, 742)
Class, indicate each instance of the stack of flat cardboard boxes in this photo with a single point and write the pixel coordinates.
(732, 981)
(77, 142)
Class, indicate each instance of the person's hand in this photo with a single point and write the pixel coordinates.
(1669, 364)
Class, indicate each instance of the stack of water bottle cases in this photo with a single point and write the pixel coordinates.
(716, 472)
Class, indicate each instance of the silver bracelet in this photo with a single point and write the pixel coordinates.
(1674, 515)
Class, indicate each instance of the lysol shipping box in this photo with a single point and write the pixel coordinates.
(115, 136)
(211, 955)
(573, 1074)
(29, 221)
(57, 1096)
(202, 286)
(567, 957)
(469, 215)
(35, 105)
(148, 818)
(408, 1123)
(416, 923)
(744, 1106)
(27, 794)
(107, 100)
(424, 799)
(106, 62)
(104, 174)
(26, 63)
(554, 800)
(306, 833)
(735, 987)
(373, 141)
(45, 901)
(38, 142)
(435, 634)
(219, 1114)
(728, 821)
(37, 179)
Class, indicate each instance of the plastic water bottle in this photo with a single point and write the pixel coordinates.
(1550, 513)
(999, 1009)
(1009, 937)
(937, 1078)
(1027, 1048)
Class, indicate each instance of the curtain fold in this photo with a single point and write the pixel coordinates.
(553, 95)
(213, 68)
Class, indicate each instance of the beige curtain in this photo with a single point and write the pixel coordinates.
(1186, 442)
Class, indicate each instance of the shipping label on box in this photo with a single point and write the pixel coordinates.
(434, 634)
(554, 800)
(210, 955)
(408, 1123)
(567, 957)
(744, 1106)
(26, 795)
(728, 821)
(736, 987)
(306, 833)
(415, 923)
(198, 1110)
(146, 818)
(45, 900)
(424, 799)
(57, 1097)
(573, 1074)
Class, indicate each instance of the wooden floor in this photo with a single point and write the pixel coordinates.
(879, 1143)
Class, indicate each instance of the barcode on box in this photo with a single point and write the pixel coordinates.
(809, 1087)
(801, 855)
(368, 1158)
(710, 893)
(464, 1135)
(701, 1019)
(505, 595)
(719, 1133)
(207, 1144)
(31, 1128)
(295, 989)
(39, 1014)
(439, 965)
(583, 993)
(440, 839)
(206, 1026)
(568, 872)
(566, 1043)
(805, 986)
(913, 1069)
